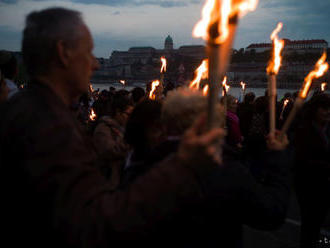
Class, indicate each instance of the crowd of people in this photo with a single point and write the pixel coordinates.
(83, 168)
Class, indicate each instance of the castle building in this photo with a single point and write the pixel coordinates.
(168, 43)
(299, 46)
(122, 62)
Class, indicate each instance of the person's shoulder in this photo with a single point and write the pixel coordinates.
(25, 102)
(19, 103)
(33, 109)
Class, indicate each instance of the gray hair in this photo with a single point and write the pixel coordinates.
(182, 107)
(43, 29)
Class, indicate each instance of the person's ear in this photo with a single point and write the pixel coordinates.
(64, 53)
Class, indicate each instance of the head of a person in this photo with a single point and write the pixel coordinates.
(138, 94)
(232, 103)
(9, 65)
(249, 98)
(287, 95)
(144, 129)
(318, 109)
(261, 105)
(56, 42)
(120, 108)
(104, 95)
(182, 107)
(112, 89)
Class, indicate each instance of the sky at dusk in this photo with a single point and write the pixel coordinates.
(121, 24)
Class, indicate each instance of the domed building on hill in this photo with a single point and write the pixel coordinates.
(168, 43)
(122, 63)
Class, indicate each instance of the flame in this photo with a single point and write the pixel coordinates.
(320, 68)
(323, 86)
(219, 12)
(164, 64)
(243, 85)
(205, 90)
(92, 116)
(91, 88)
(275, 63)
(154, 85)
(284, 106)
(201, 73)
(122, 82)
(225, 87)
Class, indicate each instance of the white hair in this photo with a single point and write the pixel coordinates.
(182, 107)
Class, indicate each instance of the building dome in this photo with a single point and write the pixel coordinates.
(168, 43)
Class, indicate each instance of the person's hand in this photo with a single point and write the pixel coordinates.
(198, 148)
(277, 141)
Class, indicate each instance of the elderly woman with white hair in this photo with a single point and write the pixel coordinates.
(181, 108)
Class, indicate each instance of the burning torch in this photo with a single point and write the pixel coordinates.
(123, 83)
(200, 73)
(163, 69)
(320, 69)
(217, 27)
(243, 85)
(323, 86)
(272, 70)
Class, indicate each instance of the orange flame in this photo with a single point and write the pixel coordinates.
(320, 68)
(154, 85)
(275, 63)
(225, 87)
(201, 73)
(323, 86)
(205, 90)
(92, 116)
(219, 12)
(284, 106)
(164, 64)
(243, 85)
(91, 88)
(122, 82)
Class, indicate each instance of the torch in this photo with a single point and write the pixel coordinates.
(243, 85)
(320, 68)
(152, 93)
(272, 70)
(92, 115)
(285, 103)
(225, 89)
(205, 90)
(323, 86)
(91, 90)
(123, 83)
(163, 69)
(200, 73)
(218, 26)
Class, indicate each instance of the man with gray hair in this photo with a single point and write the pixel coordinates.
(52, 194)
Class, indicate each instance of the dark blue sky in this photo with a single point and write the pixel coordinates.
(120, 24)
